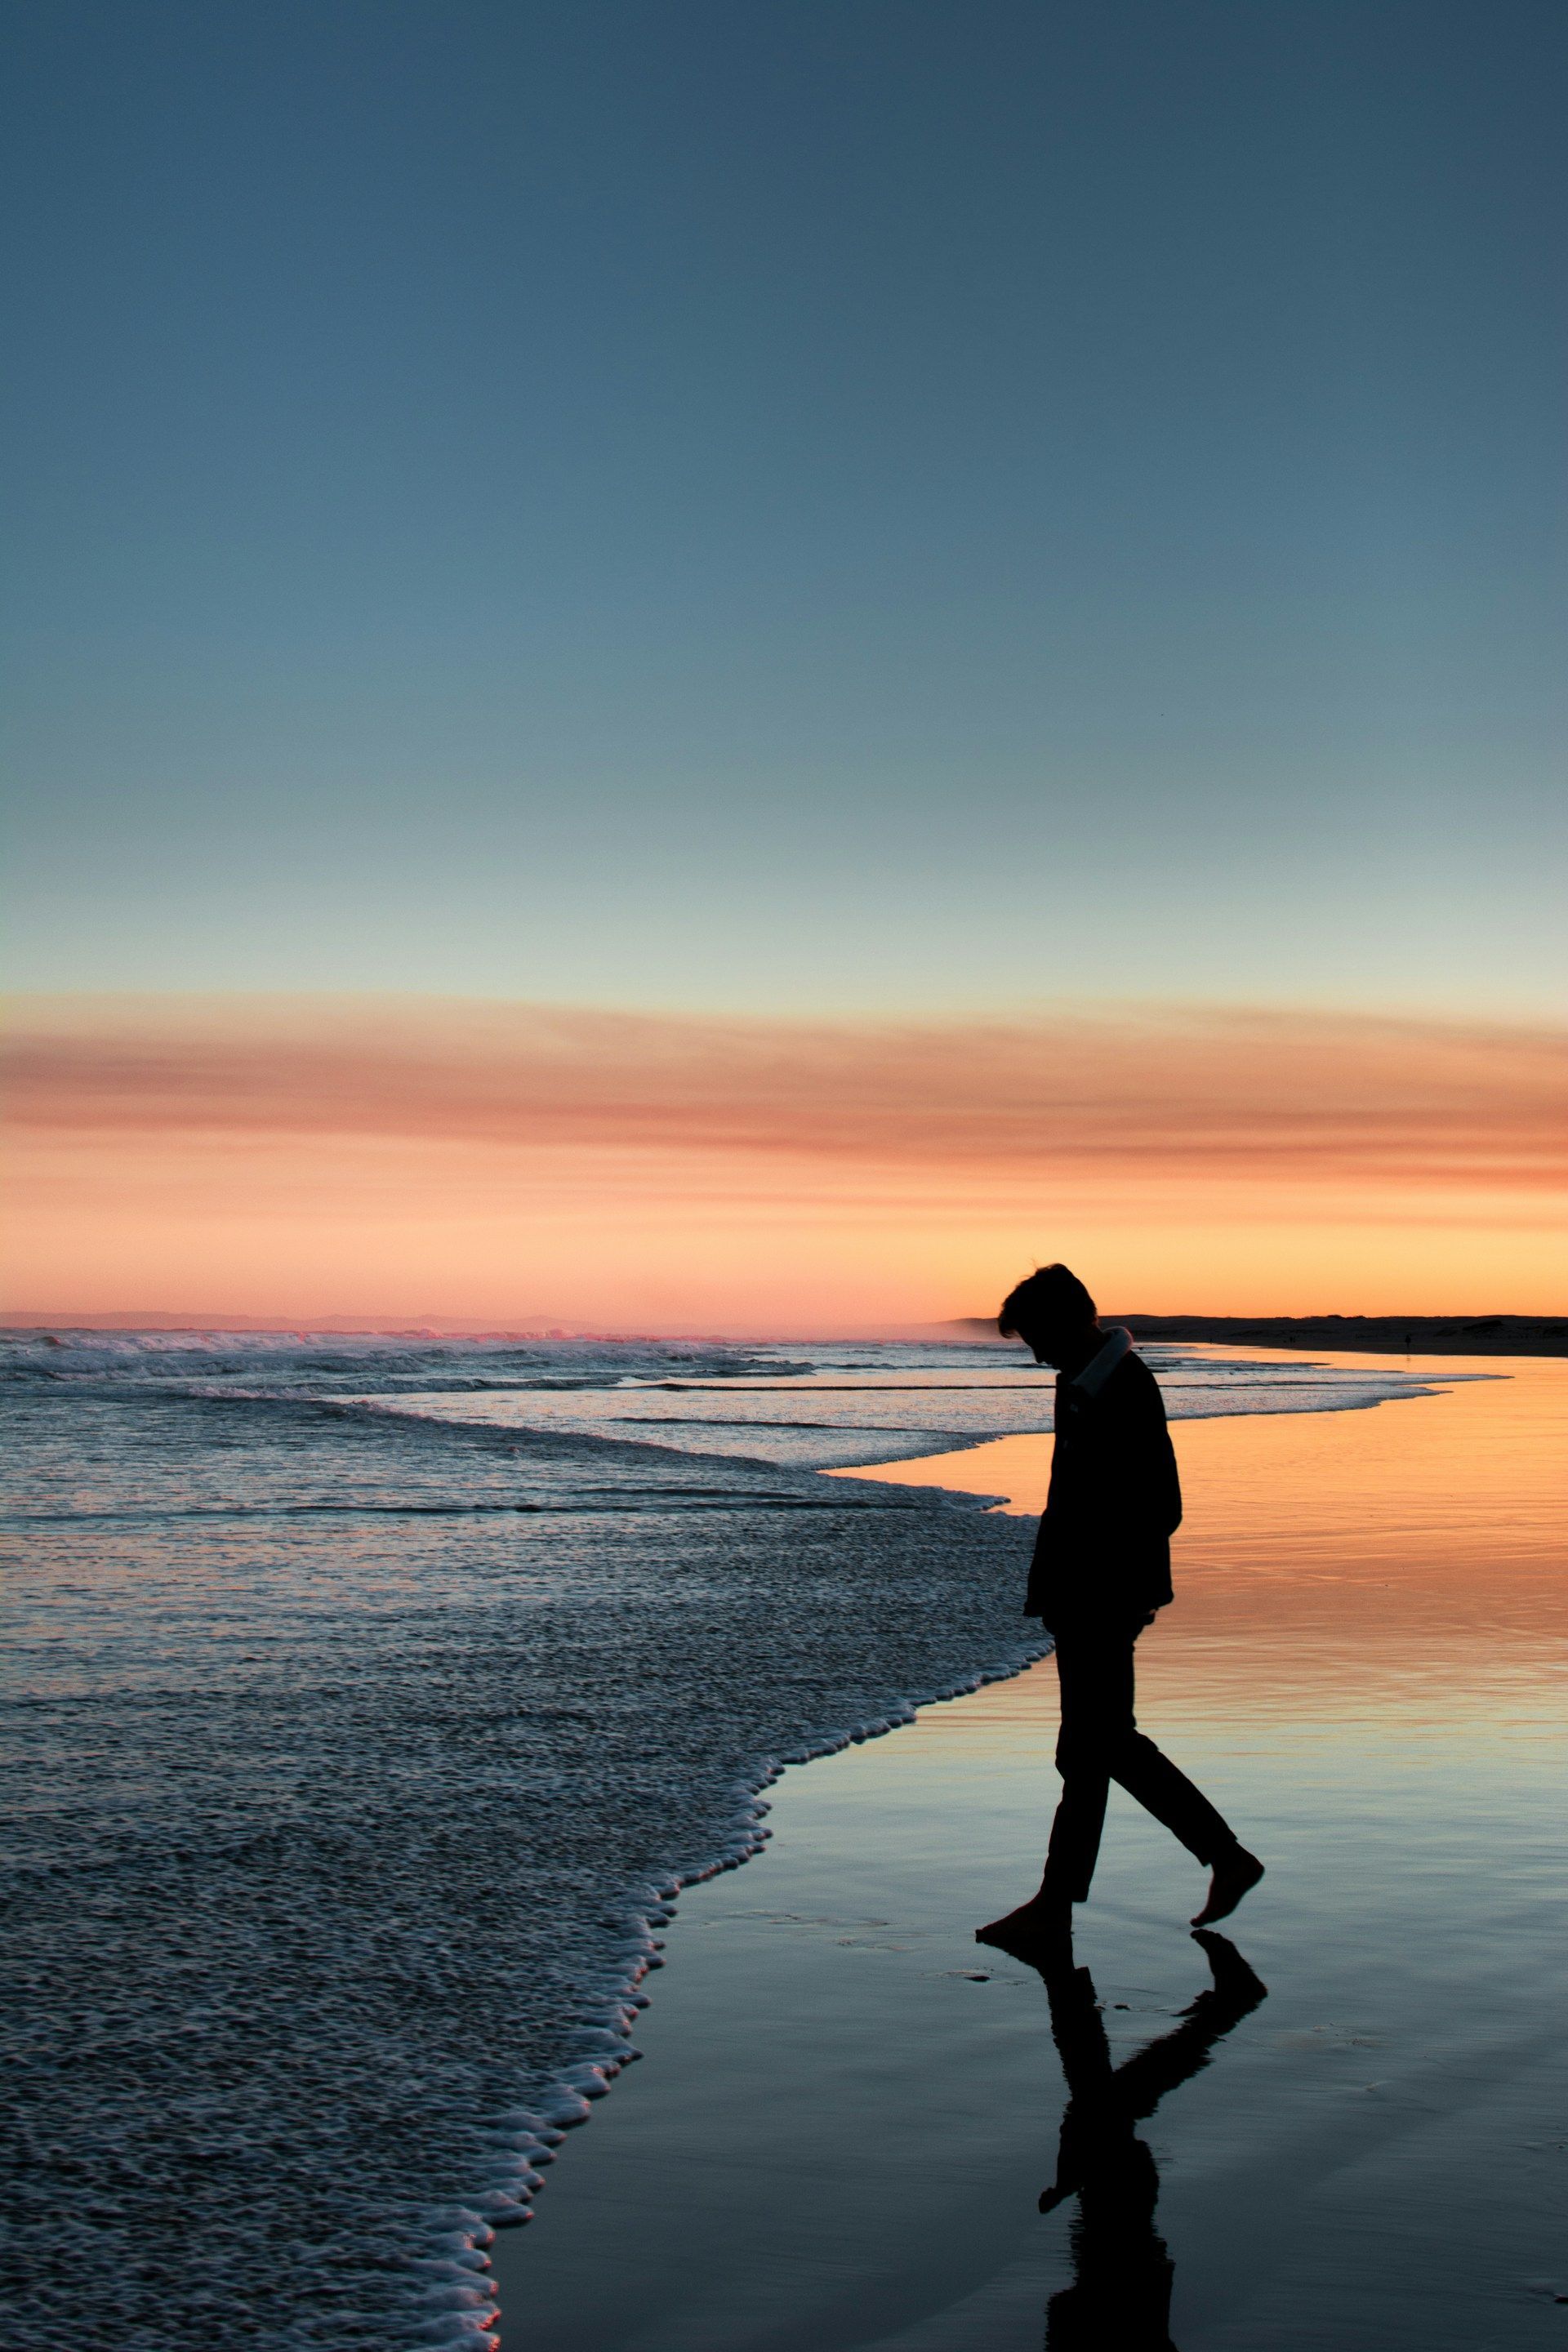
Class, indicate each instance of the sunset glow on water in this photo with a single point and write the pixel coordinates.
(574, 1602)
(848, 2108)
(1368, 1562)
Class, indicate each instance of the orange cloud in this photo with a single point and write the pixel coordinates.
(747, 1158)
(1215, 1093)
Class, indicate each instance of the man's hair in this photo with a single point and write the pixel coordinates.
(1050, 1294)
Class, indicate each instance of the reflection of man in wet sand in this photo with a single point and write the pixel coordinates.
(1101, 1569)
(1121, 2293)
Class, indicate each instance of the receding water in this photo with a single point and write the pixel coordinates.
(367, 1696)
(849, 2110)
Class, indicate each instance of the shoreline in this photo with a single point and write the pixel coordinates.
(568, 2101)
(536, 2133)
(701, 2113)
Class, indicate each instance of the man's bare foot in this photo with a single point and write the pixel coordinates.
(1235, 1874)
(1044, 1915)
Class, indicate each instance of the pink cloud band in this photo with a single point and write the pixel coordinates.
(1196, 1094)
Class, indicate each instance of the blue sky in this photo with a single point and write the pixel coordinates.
(801, 508)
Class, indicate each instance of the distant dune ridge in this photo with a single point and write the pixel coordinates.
(1417, 1335)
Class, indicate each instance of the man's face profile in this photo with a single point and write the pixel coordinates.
(1054, 1340)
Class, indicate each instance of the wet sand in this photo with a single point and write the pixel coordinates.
(848, 2110)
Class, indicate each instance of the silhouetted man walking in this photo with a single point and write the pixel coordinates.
(1101, 1569)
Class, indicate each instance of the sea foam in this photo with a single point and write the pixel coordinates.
(369, 1732)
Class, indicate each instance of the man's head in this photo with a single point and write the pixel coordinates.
(1054, 1315)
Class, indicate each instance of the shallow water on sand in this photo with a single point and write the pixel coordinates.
(849, 2110)
(367, 1695)
(352, 1751)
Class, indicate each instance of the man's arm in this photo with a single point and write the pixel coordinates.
(1151, 1488)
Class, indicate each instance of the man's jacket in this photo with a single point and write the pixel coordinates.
(1103, 1556)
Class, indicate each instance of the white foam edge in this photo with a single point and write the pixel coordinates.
(527, 2137)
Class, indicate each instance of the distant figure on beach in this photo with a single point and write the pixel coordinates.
(1121, 2293)
(1101, 1569)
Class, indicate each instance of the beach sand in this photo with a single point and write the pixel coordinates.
(848, 2110)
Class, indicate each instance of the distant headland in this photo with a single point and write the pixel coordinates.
(1382, 1335)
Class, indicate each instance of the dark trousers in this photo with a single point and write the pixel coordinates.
(1100, 1742)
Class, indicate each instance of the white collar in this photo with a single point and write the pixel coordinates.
(1093, 1376)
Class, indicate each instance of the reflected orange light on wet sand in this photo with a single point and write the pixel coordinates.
(1362, 1667)
(1406, 1560)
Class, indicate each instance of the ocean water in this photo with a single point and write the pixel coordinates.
(370, 1700)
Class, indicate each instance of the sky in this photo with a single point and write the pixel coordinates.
(680, 1171)
(811, 516)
